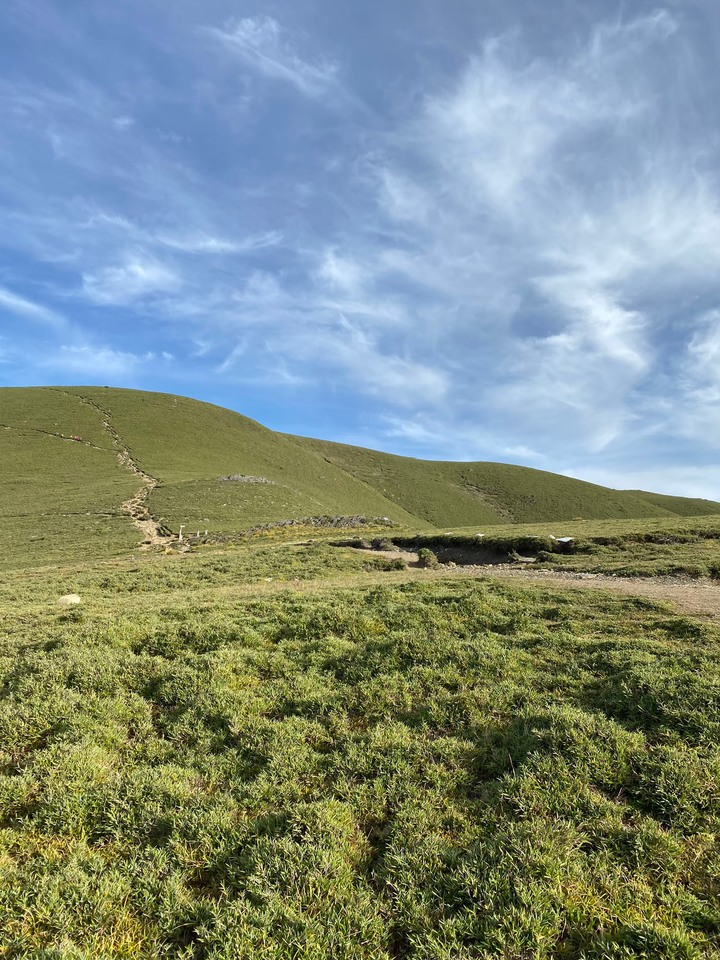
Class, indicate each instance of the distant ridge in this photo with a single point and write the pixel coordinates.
(73, 456)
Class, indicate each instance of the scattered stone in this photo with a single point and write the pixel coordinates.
(243, 478)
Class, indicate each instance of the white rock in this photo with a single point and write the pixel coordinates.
(69, 600)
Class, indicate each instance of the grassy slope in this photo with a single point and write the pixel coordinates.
(198, 765)
(188, 445)
(682, 506)
(458, 494)
(59, 499)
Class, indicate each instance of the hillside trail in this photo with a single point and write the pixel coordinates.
(136, 507)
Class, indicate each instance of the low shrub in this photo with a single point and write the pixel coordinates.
(382, 543)
(427, 559)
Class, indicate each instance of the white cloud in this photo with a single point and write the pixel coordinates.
(28, 308)
(346, 350)
(138, 277)
(99, 363)
(695, 412)
(341, 272)
(538, 193)
(433, 436)
(203, 243)
(232, 357)
(260, 42)
(702, 368)
(521, 454)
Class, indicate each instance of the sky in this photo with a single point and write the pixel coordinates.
(441, 228)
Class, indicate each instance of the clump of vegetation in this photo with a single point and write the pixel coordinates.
(382, 543)
(672, 548)
(427, 559)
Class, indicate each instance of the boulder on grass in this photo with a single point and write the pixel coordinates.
(69, 600)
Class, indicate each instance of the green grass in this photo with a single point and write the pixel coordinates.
(189, 445)
(282, 749)
(226, 754)
(60, 499)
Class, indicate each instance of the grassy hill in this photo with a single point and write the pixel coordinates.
(60, 496)
(462, 494)
(680, 506)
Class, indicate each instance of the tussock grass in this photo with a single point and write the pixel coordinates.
(445, 769)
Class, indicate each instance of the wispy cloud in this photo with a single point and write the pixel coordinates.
(261, 43)
(512, 250)
(23, 307)
(536, 200)
(99, 362)
(136, 278)
(202, 243)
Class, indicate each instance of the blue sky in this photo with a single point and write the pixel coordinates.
(436, 227)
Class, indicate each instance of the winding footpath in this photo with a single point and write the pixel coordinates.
(136, 508)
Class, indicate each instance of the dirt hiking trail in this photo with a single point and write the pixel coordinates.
(136, 507)
(696, 597)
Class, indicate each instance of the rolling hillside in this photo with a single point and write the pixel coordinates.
(72, 459)
(459, 494)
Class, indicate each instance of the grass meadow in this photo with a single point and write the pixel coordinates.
(290, 752)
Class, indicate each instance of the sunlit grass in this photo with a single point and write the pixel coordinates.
(212, 757)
